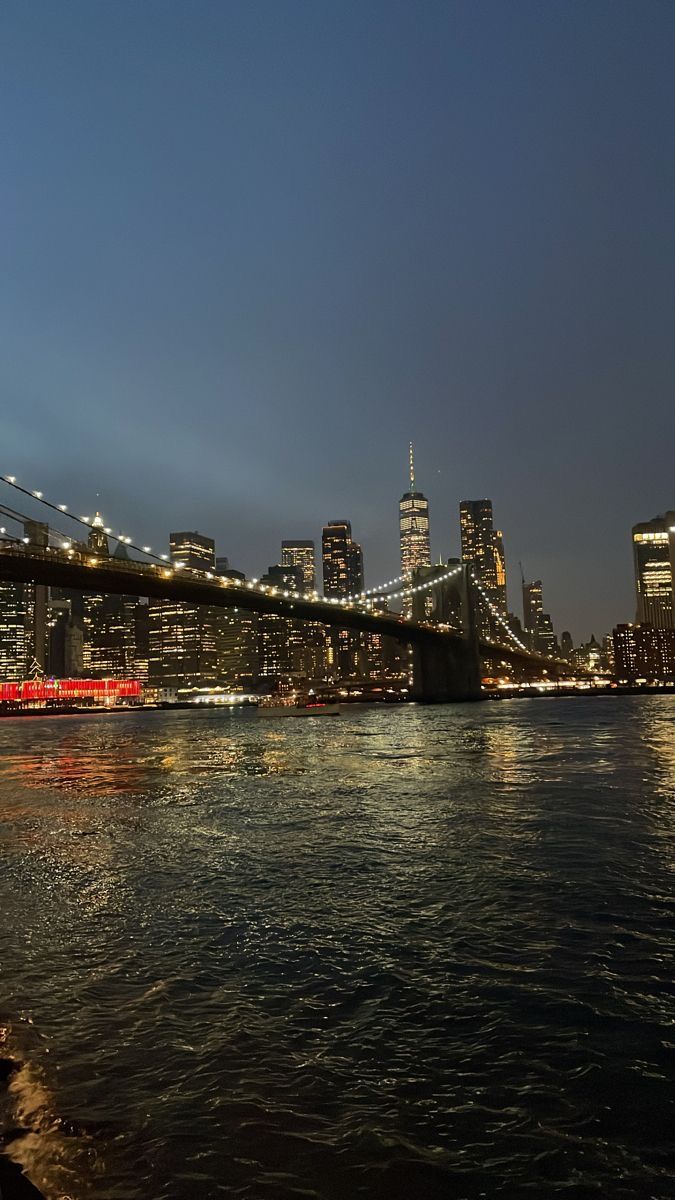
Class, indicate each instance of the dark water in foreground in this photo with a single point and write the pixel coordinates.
(407, 953)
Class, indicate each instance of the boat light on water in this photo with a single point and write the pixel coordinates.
(297, 704)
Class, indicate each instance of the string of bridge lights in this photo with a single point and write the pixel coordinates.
(497, 615)
(365, 598)
(379, 590)
(421, 587)
(64, 510)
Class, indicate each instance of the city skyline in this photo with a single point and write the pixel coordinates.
(210, 554)
(234, 290)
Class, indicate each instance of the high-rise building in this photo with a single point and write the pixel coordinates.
(342, 560)
(300, 554)
(342, 576)
(533, 605)
(483, 548)
(141, 666)
(537, 624)
(644, 652)
(24, 612)
(36, 535)
(14, 635)
(308, 638)
(654, 561)
(237, 642)
(413, 521)
(500, 571)
(183, 638)
(110, 630)
(545, 641)
(278, 640)
(183, 650)
(193, 550)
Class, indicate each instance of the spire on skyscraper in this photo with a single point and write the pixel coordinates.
(413, 519)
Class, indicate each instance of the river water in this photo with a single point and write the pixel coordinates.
(409, 953)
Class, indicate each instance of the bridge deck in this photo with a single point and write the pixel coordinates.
(83, 571)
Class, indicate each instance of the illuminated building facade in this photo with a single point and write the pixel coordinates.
(545, 641)
(342, 576)
(275, 640)
(237, 643)
(500, 571)
(109, 648)
(59, 693)
(14, 634)
(193, 550)
(653, 557)
(183, 638)
(537, 624)
(24, 611)
(300, 554)
(483, 550)
(308, 638)
(182, 644)
(644, 652)
(342, 560)
(533, 606)
(413, 523)
(141, 659)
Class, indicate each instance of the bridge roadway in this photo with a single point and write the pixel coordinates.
(446, 663)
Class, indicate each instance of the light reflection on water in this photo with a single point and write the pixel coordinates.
(413, 952)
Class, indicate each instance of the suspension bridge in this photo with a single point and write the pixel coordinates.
(449, 659)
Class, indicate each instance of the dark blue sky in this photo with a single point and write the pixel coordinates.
(249, 250)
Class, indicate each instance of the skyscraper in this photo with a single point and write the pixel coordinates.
(533, 605)
(537, 624)
(14, 639)
(300, 554)
(109, 629)
(278, 640)
(483, 550)
(500, 571)
(183, 638)
(654, 560)
(342, 576)
(193, 550)
(644, 652)
(413, 521)
(308, 638)
(342, 560)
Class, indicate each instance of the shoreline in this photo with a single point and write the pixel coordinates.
(14, 1183)
(558, 692)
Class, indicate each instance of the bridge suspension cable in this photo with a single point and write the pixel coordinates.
(63, 510)
(379, 590)
(497, 615)
(426, 586)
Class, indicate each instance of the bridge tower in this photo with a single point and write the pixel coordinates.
(445, 670)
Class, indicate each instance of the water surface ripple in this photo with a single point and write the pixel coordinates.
(409, 953)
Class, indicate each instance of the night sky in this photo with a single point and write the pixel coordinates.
(250, 249)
